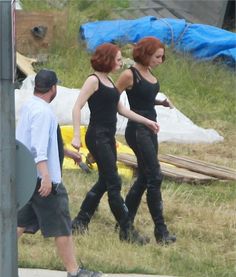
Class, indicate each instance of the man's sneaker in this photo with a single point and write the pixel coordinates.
(165, 238)
(79, 227)
(85, 273)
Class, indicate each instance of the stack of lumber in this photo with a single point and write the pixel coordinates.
(183, 169)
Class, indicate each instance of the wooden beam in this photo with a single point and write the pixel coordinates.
(170, 171)
(25, 64)
(202, 167)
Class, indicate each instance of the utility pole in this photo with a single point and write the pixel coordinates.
(8, 206)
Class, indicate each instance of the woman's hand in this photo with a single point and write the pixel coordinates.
(74, 155)
(167, 103)
(154, 126)
(76, 143)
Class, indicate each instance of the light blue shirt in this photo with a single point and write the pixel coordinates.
(37, 130)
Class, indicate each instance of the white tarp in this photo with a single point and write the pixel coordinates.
(174, 126)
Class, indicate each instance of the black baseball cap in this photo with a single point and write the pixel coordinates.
(44, 80)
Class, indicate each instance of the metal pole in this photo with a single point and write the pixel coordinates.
(8, 239)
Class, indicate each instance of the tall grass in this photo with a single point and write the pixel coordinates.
(199, 89)
(203, 217)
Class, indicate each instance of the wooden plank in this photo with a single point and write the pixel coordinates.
(170, 171)
(210, 169)
(25, 64)
(184, 175)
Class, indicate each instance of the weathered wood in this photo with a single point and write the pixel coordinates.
(210, 169)
(170, 171)
(184, 175)
(25, 64)
(151, 12)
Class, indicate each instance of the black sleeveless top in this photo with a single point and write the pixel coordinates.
(142, 95)
(103, 105)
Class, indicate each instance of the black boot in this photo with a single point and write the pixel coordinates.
(121, 214)
(146, 239)
(131, 235)
(163, 237)
(161, 232)
(90, 204)
(79, 226)
(155, 205)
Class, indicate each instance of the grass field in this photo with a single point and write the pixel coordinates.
(203, 217)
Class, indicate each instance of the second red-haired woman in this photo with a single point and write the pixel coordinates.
(103, 101)
(142, 87)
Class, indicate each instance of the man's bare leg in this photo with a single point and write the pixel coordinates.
(65, 247)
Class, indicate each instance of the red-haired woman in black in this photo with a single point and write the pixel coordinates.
(142, 87)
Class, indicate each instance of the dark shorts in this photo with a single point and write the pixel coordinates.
(49, 214)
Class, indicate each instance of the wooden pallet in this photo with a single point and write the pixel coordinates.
(181, 171)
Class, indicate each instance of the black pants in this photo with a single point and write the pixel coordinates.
(101, 144)
(145, 146)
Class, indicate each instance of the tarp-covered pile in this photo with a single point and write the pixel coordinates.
(203, 42)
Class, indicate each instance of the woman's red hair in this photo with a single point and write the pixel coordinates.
(103, 59)
(145, 48)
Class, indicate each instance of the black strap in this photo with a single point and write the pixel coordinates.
(60, 146)
(108, 77)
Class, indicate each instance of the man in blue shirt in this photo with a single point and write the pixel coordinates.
(48, 209)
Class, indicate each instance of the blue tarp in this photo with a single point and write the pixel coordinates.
(203, 42)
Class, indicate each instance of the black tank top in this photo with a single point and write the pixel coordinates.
(103, 105)
(142, 95)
